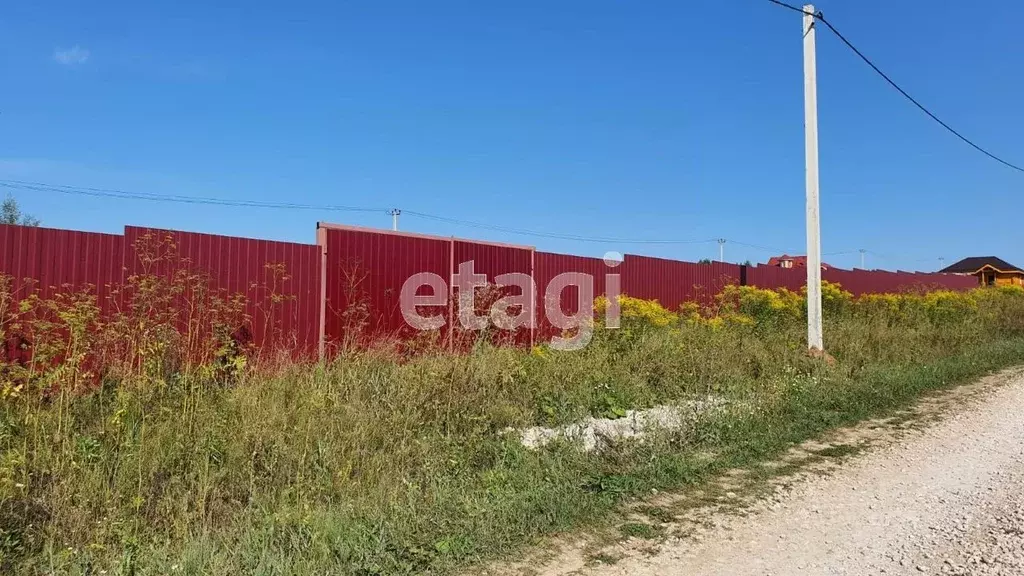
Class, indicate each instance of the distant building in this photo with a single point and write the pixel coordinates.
(787, 261)
(991, 271)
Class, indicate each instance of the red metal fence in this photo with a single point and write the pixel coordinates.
(364, 274)
(773, 277)
(279, 281)
(546, 267)
(671, 282)
(46, 261)
(348, 286)
(861, 282)
(492, 260)
(858, 282)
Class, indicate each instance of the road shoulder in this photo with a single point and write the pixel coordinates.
(910, 493)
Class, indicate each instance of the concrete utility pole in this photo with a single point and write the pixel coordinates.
(862, 259)
(814, 337)
(394, 219)
(942, 262)
(721, 249)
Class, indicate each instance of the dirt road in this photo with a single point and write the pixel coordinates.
(944, 498)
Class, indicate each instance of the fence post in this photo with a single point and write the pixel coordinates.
(533, 295)
(321, 240)
(451, 293)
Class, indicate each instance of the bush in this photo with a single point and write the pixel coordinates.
(637, 312)
(767, 308)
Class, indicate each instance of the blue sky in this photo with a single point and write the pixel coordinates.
(661, 120)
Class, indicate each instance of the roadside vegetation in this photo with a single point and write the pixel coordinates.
(152, 442)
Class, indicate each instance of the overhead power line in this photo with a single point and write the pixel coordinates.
(894, 257)
(109, 193)
(177, 198)
(791, 7)
(821, 17)
(539, 234)
(764, 248)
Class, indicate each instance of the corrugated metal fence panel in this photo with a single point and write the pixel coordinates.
(494, 260)
(547, 266)
(48, 261)
(671, 282)
(648, 278)
(774, 277)
(848, 280)
(760, 277)
(957, 282)
(906, 282)
(366, 270)
(279, 280)
(881, 281)
(935, 281)
(365, 274)
(723, 274)
(859, 282)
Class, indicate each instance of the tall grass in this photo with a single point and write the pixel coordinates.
(386, 463)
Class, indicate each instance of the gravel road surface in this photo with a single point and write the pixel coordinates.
(944, 498)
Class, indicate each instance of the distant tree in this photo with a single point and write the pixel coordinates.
(11, 214)
(748, 263)
(704, 261)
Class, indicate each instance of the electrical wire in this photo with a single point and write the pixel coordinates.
(148, 196)
(820, 16)
(903, 257)
(523, 232)
(760, 247)
(791, 7)
(110, 193)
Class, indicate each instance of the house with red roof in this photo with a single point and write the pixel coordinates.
(787, 261)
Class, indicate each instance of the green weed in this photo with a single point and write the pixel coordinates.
(379, 463)
(640, 530)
